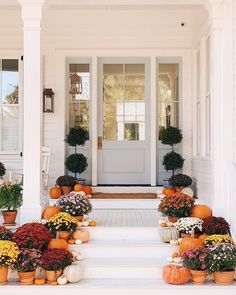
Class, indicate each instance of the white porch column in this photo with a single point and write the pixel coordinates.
(32, 190)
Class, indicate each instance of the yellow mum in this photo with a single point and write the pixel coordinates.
(218, 239)
(9, 252)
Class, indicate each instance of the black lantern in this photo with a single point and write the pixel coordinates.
(75, 84)
(48, 100)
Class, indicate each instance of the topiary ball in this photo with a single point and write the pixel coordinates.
(171, 135)
(76, 163)
(173, 161)
(77, 136)
(2, 169)
(180, 180)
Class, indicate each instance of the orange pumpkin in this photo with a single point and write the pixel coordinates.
(168, 191)
(87, 189)
(201, 211)
(92, 223)
(176, 275)
(71, 241)
(203, 237)
(50, 212)
(39, 281)
(81, 234)
(189, 243)
(55, 192)
(58, 244)
(78, 187)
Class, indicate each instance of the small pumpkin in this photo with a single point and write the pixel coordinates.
(92, 223)
(175, 274)
(78, 187)
(168, 234)
(81, 234)
(74, 272)
(189, 243)
(58, 244)
(71, 241)
(53, 283)
(62, 280)
(87, 189)
(168, 191)
(50, 212)
(39, 281)
(55, 192)
(201, 211)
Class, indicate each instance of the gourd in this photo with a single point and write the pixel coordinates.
(78, 187)
(81, 234)
(58, 244)
(62, 280)
(87, 189)
(189, 243)
(168, 191)
(74, 273)
(176, 275)
(55, 192)
(50, 212)
(168, 234)
(39, 281)
(174, 242)
(201, 211)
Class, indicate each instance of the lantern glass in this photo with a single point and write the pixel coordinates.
(48, 101)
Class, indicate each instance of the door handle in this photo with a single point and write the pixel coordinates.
(100, 142)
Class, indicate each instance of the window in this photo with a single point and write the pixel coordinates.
(79, 103)
(124, 102)
(168, 96)
(10, 111)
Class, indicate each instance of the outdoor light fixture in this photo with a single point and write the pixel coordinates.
(75, 84)
(48, 100)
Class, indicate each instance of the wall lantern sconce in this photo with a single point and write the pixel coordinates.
(48, 100)
(75, 84)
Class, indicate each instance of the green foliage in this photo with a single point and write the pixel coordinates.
(180, 180)
(2, 169)
(171, 135)
(77, 136)
(76, 163)
(173, 161)
(10, 196)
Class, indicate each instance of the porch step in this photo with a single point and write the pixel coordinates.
(123, 204)
(127, 189)
(103, 195)
(125, 249)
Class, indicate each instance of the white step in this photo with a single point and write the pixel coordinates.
(125, 249)
(125, 203)
(123, 233)
(133, 268)
(127, 189)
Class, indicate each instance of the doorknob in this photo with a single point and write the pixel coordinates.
(99, 142)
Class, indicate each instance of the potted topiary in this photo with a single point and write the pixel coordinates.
(172, 161)
(66, 183)
(180, 181)
(10, 199)
(77, 163)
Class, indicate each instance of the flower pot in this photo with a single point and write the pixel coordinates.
(26, 278)
(3, 275)
(79, 218)
(66, 190)
(52, 275)
(9, 217)
(172, 218)
(224, 277)
(198, 276)
(63, 235)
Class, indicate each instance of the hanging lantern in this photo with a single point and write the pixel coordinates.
(75, 84)
(48, 100)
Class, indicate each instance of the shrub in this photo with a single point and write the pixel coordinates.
(10, 196)
(77, 136)
(173, 161)
(76, 163)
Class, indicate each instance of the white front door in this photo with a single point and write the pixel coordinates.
(124, 121)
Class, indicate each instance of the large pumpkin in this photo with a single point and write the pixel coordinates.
(87, 189)
(201, 211)
(50, 212)
(78, 187)
(175, 274)
(58, 244)
(55, 192)
(168, 191)
(189, 243)
(81, 234)
(74, 273)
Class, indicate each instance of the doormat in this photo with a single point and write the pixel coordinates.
(124, 196)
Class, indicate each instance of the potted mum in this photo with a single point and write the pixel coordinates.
(66, 183)
(32, 236)
(5, 234)
(177, 205)
(26, 264)
(215, 225)
(217, 239)
(54, 261)
(10, 199)
(223, 263)
(187, 225)
(75, 204)
(9, 252)
(197, 261)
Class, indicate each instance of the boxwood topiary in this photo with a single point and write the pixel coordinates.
(180, 180)
(173, 161)
(76, 163)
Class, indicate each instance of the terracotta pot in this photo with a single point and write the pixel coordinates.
(52, 275)
(79, 218)
(26, 278)
(66, 189)
(182, 235)
(224, 277)
(172, 218)
(63, 235)
(198, 276)
(9, 217)
(3, 275)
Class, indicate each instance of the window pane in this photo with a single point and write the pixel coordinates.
(10, 81)
(10, 128)
(134, 81)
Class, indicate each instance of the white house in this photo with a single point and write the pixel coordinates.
(144, 64)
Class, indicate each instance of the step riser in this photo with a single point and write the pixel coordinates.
(116, 204)
(124, 272)
(123, 234)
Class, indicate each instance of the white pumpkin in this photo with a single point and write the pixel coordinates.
(82, 193)
(62, 280)
(168, 234)
(78, 242)
(74, 273)
(85, 223)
